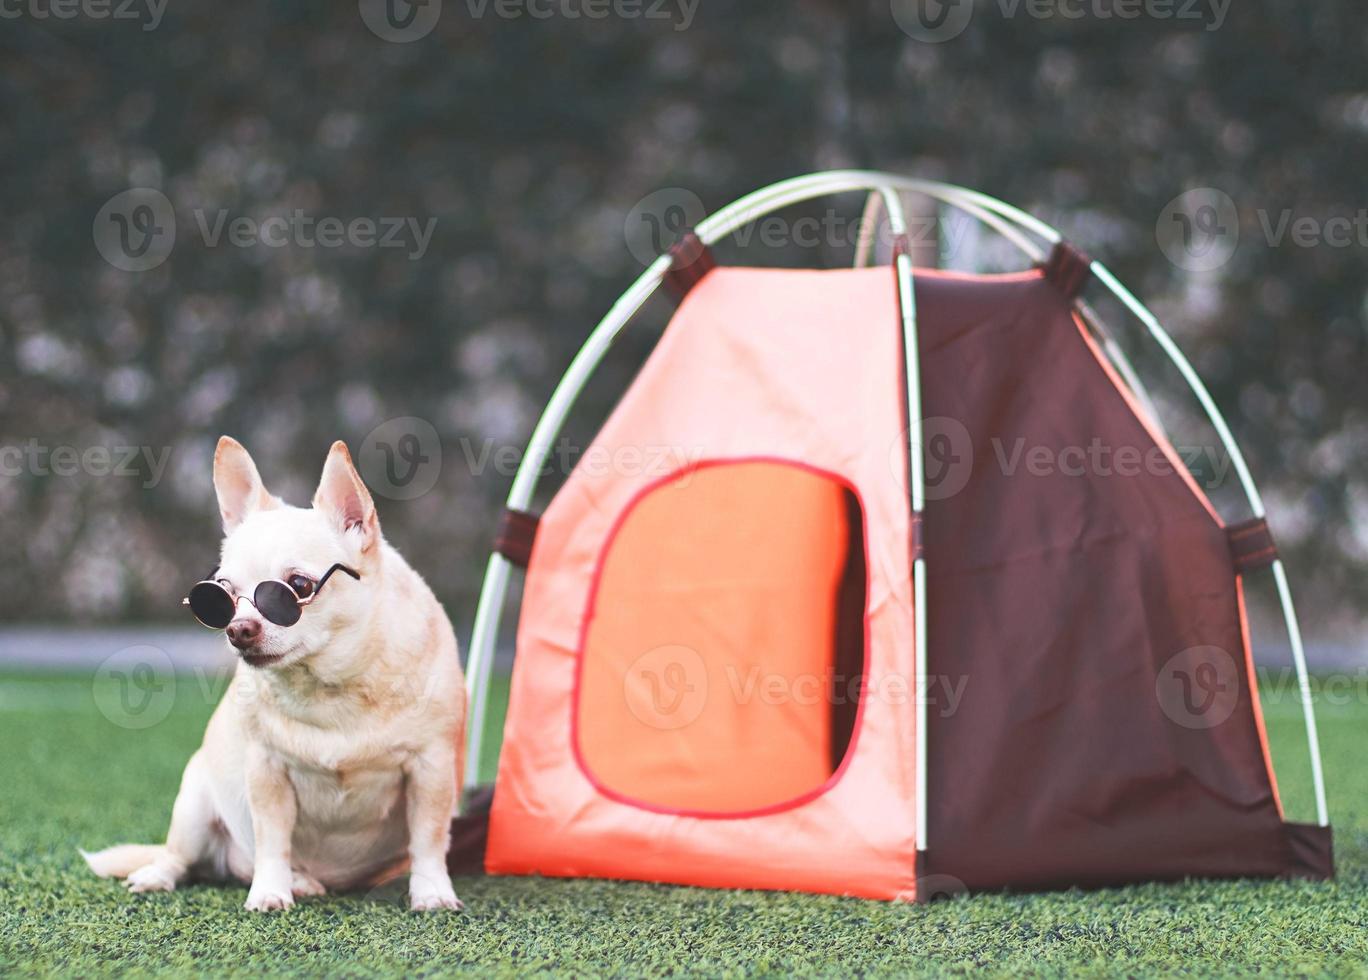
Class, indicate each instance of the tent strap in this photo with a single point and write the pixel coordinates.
(690, 261)
(516, 534)
(1251, 545)
(1068, 267)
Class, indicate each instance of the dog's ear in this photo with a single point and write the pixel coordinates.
(344, 498)
(238, 484)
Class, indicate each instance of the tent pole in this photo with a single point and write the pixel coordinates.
(907, 302)
(1304, 689)
(869, 223)
(480, 660)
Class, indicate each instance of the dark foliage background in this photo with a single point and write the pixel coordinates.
(530, 141)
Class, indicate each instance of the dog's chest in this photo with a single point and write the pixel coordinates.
(349, 821)
(345, 776)
(349, 795)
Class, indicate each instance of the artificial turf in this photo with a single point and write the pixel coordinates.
(70, 777)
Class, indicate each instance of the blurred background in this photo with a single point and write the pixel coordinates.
(395, 223)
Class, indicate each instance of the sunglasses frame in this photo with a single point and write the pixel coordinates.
(299, 603)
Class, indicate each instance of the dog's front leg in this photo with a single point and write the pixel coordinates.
(430, 785)
(271, 798)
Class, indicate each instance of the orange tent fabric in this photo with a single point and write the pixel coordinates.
(710, 641)
(757, 365)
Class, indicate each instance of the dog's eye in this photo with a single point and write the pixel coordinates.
(302, 585)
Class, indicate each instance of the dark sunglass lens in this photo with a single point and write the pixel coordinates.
(212, 605)
(276, 602)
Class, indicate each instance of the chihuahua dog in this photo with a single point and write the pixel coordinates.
(333, 760)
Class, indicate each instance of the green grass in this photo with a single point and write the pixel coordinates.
(69, 776)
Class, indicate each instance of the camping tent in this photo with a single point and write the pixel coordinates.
(892, 585)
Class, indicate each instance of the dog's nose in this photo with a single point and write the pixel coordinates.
(243, 633)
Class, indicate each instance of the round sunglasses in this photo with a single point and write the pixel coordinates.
(214, 606)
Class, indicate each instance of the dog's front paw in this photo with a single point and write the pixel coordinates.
(429, 894)
(305, 885)
(151, 878)
(266, 898)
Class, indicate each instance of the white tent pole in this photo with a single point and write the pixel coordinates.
(1304, 688)
(479, 659)
(907, 303)
(869, 225)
